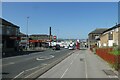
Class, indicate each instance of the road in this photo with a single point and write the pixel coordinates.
(81, 64)
(14, 67)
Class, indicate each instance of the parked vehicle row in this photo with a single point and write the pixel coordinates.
(58, 45)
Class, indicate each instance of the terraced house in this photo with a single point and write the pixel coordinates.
(110, 37)
(119, 38)
(94, 35)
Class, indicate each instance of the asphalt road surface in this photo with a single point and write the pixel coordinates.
(81, 64)
(14, 67)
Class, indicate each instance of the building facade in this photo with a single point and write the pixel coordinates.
(119, 39)
(10, 36)
(110, 37)
(23, 41)
(94, 35)
(39, 40)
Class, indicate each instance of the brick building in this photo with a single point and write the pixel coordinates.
(94, 35)
(119, 38)
(110, 36)
(10, 36)
(39, 40)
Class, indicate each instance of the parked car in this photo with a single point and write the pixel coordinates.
(66, 47)
(56, 47)
(71, 48)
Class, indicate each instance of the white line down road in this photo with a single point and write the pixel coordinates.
(34, 61)
(45, 57)
(81, 64)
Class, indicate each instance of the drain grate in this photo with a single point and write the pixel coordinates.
(109, 72)
(81, 59)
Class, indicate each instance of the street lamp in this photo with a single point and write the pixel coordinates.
(27, 35)
(50, 36)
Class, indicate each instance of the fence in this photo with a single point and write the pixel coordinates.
(104, 53)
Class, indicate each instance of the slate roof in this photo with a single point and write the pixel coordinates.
(5, 22)
(39, 35)
(98, 31)
(116, 26)
(22, 34)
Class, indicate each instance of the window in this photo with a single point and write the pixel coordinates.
(3, 30)
(96, 37)
(17, 31)
(110, 35)
(0, 29)
(13, 29)
(9, 30)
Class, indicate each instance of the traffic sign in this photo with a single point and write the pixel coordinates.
(54, 37)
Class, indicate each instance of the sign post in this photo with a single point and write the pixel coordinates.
(55, 38)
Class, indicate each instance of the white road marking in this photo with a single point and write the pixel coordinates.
(113, 76)
(32, 74)
(21, 56)
(18, 75)
(32, 68)
(64, 73)
(69, 66)
(51, 56)
(43, 68)
(86, 69)
(39, 59)
(71, 62)
(27, 70)
(8, 64)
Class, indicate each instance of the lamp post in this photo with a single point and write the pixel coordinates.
(50, 36)
(27, 35)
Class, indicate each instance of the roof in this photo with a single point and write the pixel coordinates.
(5, 22)
(39, 35)
(98, 31)
(20, 33)
(116, 26)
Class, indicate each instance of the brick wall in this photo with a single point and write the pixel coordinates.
(115, 36)
(104, 39)
(119, 38)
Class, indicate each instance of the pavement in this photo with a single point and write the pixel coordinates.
(81, 64)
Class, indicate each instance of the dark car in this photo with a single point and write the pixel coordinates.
(56, 47)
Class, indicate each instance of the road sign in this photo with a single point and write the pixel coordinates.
(54, 37)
